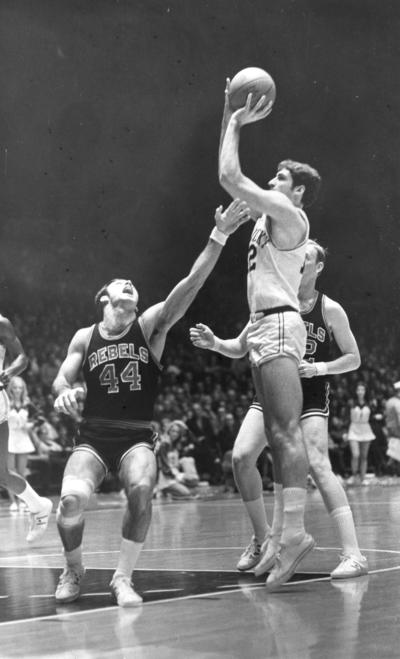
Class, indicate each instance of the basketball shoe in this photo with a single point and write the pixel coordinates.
(250, 556)
(39, 521)
(287, 559)
(269, 549)
(69, 584)
(350, 567)
(123, 592)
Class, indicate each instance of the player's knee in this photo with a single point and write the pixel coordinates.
(285, 432)
(243, 460)
(71, 504)
(75, 495)
(139, 497)
(320, 466)
(69, 511)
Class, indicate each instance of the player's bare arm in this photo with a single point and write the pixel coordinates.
(275, 204)
(203, 337)
(68, 396)
(349, 360)
(157, 320)
(16, 356)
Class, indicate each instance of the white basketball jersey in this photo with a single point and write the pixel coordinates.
(274, 274)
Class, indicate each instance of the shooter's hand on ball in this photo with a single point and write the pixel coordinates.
(202, 337)
(229, 220)
(249, 115)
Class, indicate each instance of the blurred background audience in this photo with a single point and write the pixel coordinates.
(202, 400)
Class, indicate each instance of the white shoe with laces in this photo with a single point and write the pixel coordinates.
(250, 556)
(39, 521)
(123, 592)
(69, 584)
(269, 548)
(350, 567)
(287, 559)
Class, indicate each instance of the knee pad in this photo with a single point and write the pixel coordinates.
(68, 522)
(81, 489)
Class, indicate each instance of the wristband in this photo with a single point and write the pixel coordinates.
(321, 368)
(218, 236)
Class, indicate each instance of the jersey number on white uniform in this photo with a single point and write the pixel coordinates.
(251, 258)
(108, 377)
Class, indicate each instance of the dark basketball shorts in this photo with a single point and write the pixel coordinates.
(315, 398)
(110, 445)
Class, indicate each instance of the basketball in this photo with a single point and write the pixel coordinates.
(251, 81)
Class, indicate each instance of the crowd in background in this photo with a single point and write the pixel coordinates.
(202, 401)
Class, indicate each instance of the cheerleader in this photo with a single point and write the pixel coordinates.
(360, 435)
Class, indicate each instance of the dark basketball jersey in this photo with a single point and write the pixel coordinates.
(318, 349)
(121, 377)
(319, 338)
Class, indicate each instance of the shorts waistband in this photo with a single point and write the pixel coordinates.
(256, 315)
(118, 424)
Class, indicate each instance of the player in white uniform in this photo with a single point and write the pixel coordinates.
(39, 507)
(276, 337)
(326, 321)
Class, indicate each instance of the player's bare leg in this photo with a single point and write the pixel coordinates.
(138, 473)
(279, 388)
(247, 448)
(83, 474)
(315, 433)
(39, 507)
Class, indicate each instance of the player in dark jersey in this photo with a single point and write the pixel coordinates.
(120, 360)
(325, 321)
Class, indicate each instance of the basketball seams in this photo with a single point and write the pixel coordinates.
(244, 84)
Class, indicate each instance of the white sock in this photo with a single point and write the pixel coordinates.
(294, 501)
(258, 517)
(277, 522)
(74, 558)
(31, 498)
(128, 557)
(347, 532)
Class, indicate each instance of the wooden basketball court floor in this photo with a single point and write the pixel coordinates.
(196, 605)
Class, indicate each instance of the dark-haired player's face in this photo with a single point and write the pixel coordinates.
(282, 182)
(122, 290)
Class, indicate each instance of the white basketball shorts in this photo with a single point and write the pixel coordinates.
(281, 334)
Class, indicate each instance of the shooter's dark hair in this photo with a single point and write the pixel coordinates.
(303, 174)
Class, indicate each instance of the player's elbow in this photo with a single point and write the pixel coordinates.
(355, 361)
(229, 179)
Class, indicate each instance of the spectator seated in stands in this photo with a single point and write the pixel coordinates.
(177, 473)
